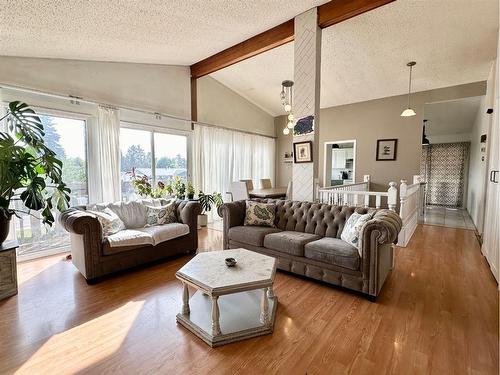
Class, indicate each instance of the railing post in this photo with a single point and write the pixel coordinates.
(392, 196)
(366, 178)
(403, 193)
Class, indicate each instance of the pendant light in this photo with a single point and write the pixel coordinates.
(408, 112)
(286, 101)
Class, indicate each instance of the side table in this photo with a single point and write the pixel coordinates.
(8, 269)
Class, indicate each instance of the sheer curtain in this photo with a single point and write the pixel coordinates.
(222, 156)
(104, 156)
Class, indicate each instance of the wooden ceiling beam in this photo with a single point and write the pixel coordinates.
(329, 14)
(262, 42)
(336, 11)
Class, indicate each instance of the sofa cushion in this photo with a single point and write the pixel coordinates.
(251, 235)
(132, 213)
(333, 251)
(162, 233)
(130, 237)
(289, 242)
(352, 228)
(259, 214)
(110, 222)
(161, 215)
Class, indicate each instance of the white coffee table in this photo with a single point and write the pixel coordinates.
(231, 303)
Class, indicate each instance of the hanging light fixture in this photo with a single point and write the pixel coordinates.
(408, 112)
(425, 140)
(286, 101)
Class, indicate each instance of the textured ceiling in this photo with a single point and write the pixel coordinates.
(148, 31)
(364, 58)
(451, 117)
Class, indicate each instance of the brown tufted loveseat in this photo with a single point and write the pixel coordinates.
(306, 241)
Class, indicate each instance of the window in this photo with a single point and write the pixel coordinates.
(67, 138)
(159, 156)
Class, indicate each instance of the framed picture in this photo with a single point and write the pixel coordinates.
(386, 149)
(302, 152)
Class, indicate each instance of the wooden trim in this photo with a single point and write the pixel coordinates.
(337, 11)
(262, 42)
(194, 102)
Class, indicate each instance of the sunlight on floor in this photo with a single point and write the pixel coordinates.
(447, 217)
(87, 344)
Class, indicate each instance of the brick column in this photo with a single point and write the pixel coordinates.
(306, 96)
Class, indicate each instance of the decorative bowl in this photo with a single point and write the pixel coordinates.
(230, 262)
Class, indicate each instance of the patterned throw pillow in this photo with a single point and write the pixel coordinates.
(350, 233)
(261, 214)
(161, 215)
(110, 222)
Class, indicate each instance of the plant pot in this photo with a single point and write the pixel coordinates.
(202, 220)
(4, 228)
(190, 196)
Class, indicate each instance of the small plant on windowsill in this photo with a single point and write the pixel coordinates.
(30, 172)
(143, 186)
(207, 202)
(190, 191)
(179, 187)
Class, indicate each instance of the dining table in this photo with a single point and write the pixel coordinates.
(275, 192)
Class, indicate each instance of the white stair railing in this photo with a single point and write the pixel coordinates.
(409, 206)
(359, 195)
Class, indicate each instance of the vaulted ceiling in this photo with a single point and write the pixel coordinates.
(174, 32)
(364, 58)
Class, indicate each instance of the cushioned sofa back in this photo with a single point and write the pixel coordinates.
(321, 219)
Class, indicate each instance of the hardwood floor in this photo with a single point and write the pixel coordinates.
(437, 314)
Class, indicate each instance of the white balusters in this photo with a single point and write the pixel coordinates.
(392, 196)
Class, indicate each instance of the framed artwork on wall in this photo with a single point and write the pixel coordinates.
(302, 152)
(387, 149)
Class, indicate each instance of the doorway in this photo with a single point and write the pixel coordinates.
(340, 163)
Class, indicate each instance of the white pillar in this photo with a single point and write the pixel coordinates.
(306, 96)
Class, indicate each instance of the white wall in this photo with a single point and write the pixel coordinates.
(219, 105)
(478, 158)
(158, 88)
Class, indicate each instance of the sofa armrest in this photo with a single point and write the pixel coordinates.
(233, 214)
(377, 236)
(77, 221)
(86, 240)
(187, 212)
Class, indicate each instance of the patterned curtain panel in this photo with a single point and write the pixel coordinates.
(443, 167)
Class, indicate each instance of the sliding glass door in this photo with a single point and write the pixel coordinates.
(67, 137)
(159, 156)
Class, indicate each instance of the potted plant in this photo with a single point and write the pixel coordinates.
(179, 187)
(190, 191)
(143, 187)
(207, 201)
(29, 171)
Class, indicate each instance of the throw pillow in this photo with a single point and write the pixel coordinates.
(110, 222)
(352, 228)
(261, 214)
(161, 215)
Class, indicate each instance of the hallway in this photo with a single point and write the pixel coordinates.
(447, 217)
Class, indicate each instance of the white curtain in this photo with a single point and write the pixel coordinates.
(104, 156)
(222, 156)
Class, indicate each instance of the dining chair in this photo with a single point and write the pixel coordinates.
(238, 191)
(249, 184)
(265, 183)
(289, 190)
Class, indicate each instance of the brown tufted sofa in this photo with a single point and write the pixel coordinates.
(93, 256)
(306, 241)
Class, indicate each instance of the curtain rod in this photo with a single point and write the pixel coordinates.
(231, 129)
(88, 101)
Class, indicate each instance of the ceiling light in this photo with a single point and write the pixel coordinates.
(408, 112)
(286, 97)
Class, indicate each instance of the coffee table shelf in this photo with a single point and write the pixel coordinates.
(231, 303)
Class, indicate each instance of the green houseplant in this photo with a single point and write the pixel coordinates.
(143, 186)
(207, 202)
(190, 191)
(179, 187)
(30, 172)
